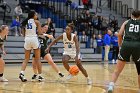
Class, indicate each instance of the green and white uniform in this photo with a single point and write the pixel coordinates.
(131, 42)
(69, 46)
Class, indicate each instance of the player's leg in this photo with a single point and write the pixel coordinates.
(2, 65)
(38, 63)
(34, 77)
(24, 64)
(123, 57)
(65, 60)
(136, 59)
(119, 67)
(138, 71)
(84, 72)
(51, 62)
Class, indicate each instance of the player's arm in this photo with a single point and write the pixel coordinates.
(54, 41)
(2, 49)
(23, 31)
(76, 45)
(49, 36)
(120, 34)
(38, 27)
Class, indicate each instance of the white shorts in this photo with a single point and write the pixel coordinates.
(73, 55)
(31, 43)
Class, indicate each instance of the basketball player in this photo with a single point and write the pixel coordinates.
(30, 27)
(71, 50)
(3, 35)
(46, 56)
(129, 46)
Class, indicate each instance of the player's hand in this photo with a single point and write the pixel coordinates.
(76, 57)
(47, 50)
(51, 37)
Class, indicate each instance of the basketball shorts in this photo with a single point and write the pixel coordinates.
(42, 52)
(72, 55)
(128, 49)
(31, 43)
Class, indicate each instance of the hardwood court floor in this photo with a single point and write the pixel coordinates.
(100, 74)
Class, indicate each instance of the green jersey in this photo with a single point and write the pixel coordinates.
(43, 41)
(132, 30)
(2, 41)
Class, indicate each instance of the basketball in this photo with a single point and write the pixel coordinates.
(74, 70)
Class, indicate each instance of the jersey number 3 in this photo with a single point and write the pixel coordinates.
(29, 26)
(134, 28)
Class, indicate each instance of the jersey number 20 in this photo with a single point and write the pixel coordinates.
(134, 28)
(29, 26)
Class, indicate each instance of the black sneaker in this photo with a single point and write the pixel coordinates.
(22, 78)
(40, 78)
(34, 77)
(61, 75)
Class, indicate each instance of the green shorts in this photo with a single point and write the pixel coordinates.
(128, 49)
(42, 52)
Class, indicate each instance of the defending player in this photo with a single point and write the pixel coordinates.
(3, 35)
(129, 46)
(46, 56)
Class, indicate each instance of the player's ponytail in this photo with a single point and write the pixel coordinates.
(30, 15)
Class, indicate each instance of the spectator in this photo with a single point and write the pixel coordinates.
(93, 43)
(75, 32)
(68, 2)
(114, 41)
(107, 42)
(99, 44)
(18, 11)
(15, 27)
(84, 37)
(51, 27)
(85, 3)
(88, 21)
(82, 27)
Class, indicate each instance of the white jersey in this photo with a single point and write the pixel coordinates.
(31, 39)
(31, 28)
(69, 45)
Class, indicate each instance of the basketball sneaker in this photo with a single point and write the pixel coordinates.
(40, 78)
(69, 77)
(22, 78)
(61, 75)
(89, 81)
(3, 79)
(34, 77)
(110, 88)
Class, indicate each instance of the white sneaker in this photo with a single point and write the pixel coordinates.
(113, 61)
(41, 78)
(3, 79)
(69, 77)
(34, 78)
(110, 89)
(89, 82)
